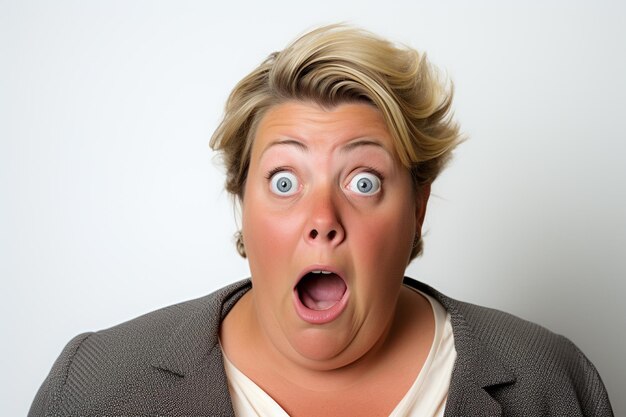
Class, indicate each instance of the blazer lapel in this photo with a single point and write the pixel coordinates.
(477, 370)
(193, 357)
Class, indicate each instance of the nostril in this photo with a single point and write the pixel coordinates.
(331, 235)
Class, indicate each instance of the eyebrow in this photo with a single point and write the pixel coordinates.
(355, 144)
(348, 147)
(290, 142)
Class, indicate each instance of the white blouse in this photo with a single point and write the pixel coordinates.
(426, 397)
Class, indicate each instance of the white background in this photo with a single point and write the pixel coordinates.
(112, 203)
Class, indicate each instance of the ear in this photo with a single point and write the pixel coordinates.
(420, 207)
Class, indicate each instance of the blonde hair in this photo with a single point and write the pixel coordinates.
(337, 64)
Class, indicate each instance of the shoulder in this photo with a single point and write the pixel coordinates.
(116, 366)
(522, 364)
(514, 339)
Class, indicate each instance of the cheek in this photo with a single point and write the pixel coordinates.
(386, 240)
(382, 252)
(269, 239)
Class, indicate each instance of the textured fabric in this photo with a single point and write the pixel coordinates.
(169, 363)
(425, 398)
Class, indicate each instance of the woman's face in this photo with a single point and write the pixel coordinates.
(329, 218)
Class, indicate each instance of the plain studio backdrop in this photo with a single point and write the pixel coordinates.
(112, 203)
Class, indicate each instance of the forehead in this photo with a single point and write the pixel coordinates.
(313, 126)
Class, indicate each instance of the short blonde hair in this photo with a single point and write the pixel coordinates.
(337, 64)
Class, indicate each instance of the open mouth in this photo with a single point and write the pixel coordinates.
(320, 296)
(320, 290)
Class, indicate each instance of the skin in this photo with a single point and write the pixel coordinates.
(372, 352)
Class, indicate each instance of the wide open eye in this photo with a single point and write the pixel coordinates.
(284, 183)
(365, 183)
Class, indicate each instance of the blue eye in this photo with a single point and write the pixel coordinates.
(284, 183)
(365, 183)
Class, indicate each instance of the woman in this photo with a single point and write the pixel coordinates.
(330, 147)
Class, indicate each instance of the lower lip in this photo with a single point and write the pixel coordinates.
(319, 316)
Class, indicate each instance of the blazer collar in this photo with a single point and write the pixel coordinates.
(193, 354)
(478, 368)
(193, 347)
(196, 338)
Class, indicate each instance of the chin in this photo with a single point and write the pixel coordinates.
(322, 349)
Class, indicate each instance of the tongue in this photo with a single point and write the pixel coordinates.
(321, 291)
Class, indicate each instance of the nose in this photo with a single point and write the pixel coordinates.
(324, 225)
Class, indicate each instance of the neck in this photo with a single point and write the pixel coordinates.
(409, 333)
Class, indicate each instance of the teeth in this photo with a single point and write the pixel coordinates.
(319, 271)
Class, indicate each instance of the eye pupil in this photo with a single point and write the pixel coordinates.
(365, 184)
(284, 184)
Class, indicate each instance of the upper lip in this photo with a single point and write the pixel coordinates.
(320, 267)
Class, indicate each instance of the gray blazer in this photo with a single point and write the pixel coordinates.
(169, 363)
